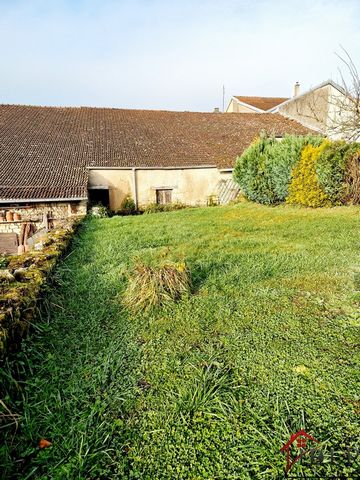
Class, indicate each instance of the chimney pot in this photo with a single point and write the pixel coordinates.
(296, 89)
(216, 110)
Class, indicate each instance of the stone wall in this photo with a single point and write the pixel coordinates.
(21, 282)
(14, 227)
(34, 213)
(56, 210)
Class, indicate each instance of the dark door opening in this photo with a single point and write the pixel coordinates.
(99, 196)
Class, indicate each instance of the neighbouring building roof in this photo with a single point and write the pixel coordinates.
(262, 103)
(45, 151)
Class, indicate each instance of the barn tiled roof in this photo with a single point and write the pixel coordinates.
(44, 151)
(263, 103)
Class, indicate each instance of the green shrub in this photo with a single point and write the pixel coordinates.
(304, 188)
(352, 174)
(151, 286)
(212, 201)
(330, 169)
(163, 207)
(264, 170)
(99, 211)
(4, 260)
(283, 156)
(127, 206)
(249, 171)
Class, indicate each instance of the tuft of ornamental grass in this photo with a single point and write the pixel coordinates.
(151, 286)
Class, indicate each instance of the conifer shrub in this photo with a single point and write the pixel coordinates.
(283, 156)
(264, 170)
(305, 188)
(330, 169)
(352, 174)
(250, 171)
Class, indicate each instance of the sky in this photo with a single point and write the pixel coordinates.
(169, 55)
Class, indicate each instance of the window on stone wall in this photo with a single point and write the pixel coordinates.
(74, 208)
(163, 196)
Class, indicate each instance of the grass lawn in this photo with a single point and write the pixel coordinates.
(209, 387)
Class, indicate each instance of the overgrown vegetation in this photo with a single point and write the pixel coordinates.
(210, 386)
(150, 286)
(21, 280)
(163, 207)
(99, 211)
(307, 170)
(127, 207)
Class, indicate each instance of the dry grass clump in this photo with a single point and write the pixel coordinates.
(151, 286)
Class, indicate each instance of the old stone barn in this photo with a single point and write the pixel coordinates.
(54, 161)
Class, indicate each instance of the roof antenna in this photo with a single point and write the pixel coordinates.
(223, 100)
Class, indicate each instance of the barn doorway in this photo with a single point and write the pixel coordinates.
(99, 196)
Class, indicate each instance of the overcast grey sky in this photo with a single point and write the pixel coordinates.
(166, 54)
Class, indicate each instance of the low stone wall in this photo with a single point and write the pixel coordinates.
(15, 227)
(56, 211)
(35, 218)
(21, 283)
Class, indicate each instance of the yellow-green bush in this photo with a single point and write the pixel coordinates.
(304, 188)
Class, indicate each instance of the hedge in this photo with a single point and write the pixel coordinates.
(264, 170)
(330, 169)
(305, 170)
(352, 174)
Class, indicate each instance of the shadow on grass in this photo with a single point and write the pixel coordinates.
(74, 380)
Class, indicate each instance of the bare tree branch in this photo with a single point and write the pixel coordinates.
(345, 121)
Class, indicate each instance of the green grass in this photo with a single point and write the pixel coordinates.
(213, 385)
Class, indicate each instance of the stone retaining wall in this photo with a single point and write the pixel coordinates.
(21, 284)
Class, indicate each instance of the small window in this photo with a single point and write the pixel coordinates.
(163, 196)
(74, 208)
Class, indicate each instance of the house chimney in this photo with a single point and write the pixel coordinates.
(296, 89)
(216, 110)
